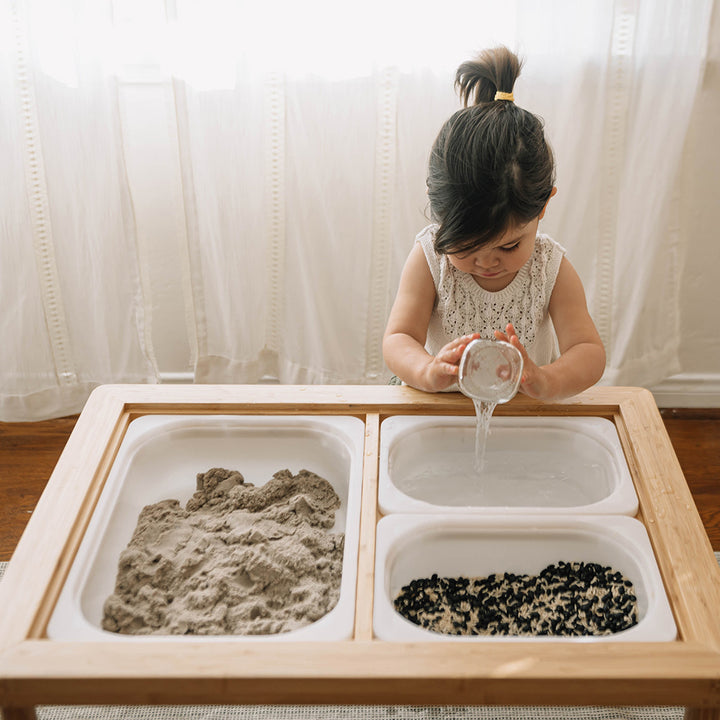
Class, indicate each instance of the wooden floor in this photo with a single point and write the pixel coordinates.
(29, 451)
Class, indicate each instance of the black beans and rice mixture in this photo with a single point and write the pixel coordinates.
(564, 599)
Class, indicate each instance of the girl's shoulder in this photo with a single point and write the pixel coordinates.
(426, 239)
(544, 265)
(427, 235)
(547, 246)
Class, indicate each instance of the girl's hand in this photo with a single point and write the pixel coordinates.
(533, 382)
(442, 369)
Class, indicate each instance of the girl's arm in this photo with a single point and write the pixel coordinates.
(406, 331)
(582, 355)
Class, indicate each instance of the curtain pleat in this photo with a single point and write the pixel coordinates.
(53, 308)
(384, 189)
(275, 208)
(73, 312)
(614, 139)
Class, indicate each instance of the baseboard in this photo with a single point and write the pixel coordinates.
(687, 390)
(182, 378)
(169, 378)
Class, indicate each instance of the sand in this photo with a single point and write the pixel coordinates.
(237, 560)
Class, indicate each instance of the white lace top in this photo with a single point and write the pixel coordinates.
(462, 306)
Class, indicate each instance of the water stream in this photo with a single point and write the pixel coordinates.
(483, 411)
(489, 373)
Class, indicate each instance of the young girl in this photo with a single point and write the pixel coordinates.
(481, 269)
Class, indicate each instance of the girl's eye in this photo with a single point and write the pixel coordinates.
(510, 248)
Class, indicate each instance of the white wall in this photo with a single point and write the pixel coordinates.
(150, 132)
(699, 383)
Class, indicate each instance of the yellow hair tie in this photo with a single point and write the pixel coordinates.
(504, 96)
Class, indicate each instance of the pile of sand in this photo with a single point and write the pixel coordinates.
(238, 560)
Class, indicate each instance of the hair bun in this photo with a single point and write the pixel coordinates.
(493, 71)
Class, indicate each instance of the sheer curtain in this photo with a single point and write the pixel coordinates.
(312, 224)
(73, 311)
(303, 131)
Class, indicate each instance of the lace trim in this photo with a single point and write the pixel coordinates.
(40, 214)
(383, 197)
(275, 205)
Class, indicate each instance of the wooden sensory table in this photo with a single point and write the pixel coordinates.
(363, 670)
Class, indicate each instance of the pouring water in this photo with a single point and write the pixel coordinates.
(489, 374)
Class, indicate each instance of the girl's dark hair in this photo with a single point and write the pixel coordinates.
(490, 165)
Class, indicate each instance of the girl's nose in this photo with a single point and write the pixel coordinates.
(486, 260)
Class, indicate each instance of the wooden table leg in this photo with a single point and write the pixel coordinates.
(692, 713)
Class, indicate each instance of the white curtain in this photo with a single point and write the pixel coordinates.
(303, 131)
(71, 299)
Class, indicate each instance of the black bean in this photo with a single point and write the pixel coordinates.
(565, 599)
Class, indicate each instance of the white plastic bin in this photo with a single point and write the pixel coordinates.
(533, 465)
(159, 458)
(410, 547)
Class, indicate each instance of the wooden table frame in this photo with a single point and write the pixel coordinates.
(363, 670)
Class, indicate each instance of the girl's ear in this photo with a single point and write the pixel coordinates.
(553, 192)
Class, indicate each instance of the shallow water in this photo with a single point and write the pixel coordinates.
(538, 478)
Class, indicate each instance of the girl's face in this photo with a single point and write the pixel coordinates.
(494, 265)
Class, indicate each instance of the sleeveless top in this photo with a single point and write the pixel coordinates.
(463, 307)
